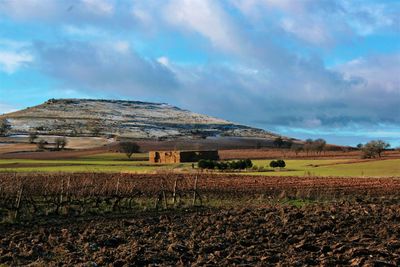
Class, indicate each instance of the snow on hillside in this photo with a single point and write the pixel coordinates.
(88, 117)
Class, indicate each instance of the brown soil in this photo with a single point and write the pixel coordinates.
(357, 223)
(44, 155)
(287, 154)
(12, 148)
(330, 235)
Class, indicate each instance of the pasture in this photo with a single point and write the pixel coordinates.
(118, 163)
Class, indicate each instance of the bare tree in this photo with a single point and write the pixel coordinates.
(32, 137)
(278, 142)
(60, 143)
(296, 148)
(95, 126)
(129, 148)
(4, 127)
(374, 148)
(41, 144)
(319, 145)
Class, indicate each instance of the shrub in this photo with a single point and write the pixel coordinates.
(221, 165)
(281, 163)
(206, 164)
(249, 163)
(232, 165)
(277, 164)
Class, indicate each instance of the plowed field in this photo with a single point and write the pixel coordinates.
(349, 222)
(331, 235)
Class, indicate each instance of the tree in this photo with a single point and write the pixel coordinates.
(129, 148)
(297, 149)
(289, 143)
(360, 146)
(4, 127)
(95, 127)
(32, 137)
(278, 142)
(308, 145)
(319, 145)
(60, 143)
(374, 148)
(41, 144)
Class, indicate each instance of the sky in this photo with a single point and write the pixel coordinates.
(302, 68)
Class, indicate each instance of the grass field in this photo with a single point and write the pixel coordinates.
(115, 162)
(379, 168)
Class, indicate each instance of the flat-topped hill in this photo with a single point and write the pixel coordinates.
(133, 119)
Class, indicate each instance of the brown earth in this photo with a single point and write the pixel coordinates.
(336, 234)
(355, 222)
(6, 148)
(287, 154)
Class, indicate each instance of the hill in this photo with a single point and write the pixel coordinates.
(124, 119)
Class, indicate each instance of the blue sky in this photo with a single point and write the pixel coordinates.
(303, 68)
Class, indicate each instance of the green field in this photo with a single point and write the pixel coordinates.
(114, 162)
(379, 168)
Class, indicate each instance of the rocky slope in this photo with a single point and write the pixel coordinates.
(133, 119)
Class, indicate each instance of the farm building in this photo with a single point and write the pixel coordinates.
(181, 156)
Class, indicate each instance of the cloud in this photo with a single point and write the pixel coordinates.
(324, 23)
(11, 61)
(13, 55)
(110, 67)
(101, 7)
(103, 13)
(163, 60)
(379, 73)
(262, 61)
(6, 108)
(205, 17)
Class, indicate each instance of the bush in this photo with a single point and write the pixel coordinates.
(231, 165)
(221, 165)
(206, 164)
(277, 163)
(249, 163)
(281, 163)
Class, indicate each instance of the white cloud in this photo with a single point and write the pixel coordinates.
(122, 47)
(11, 61)
(310, 31)
(6, 108)
(30, 9)
(380, 74)
(163, 60)
(101, 7)
(268, 72)
(83, 31)
(207, 18)
(108, 67)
